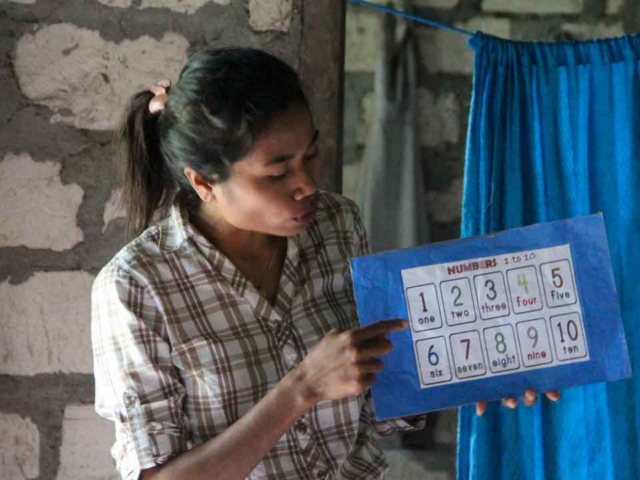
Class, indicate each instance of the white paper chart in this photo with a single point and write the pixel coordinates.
(495, 315)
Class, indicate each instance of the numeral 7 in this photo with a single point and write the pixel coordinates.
(468, 342)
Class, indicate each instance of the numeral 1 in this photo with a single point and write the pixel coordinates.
(424, 303)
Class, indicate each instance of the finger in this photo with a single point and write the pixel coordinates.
(510, 402)
(165, 82)
(158, 89)
(530, 397)
(481, 407)
(375, 347)
(371, 366)
(157, 103)
(367, 381)
(383, 327)
(553, 395)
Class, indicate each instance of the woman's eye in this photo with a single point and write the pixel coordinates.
(311, 156)
(278, 177)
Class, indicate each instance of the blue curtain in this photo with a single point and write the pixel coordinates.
(554, 133)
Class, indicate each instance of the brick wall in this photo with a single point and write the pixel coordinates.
(66, 70)
(445, 78)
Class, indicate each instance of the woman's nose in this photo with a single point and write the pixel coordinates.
(305, 185)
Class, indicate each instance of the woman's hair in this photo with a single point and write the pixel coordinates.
(223, 101)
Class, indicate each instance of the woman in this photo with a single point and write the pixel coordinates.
(225, 334)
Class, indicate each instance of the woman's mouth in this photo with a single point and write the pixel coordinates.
(306, 216)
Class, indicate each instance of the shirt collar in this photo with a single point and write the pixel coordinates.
(175, 228)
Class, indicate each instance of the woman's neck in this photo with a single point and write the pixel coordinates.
(257, 255)
(233, 242)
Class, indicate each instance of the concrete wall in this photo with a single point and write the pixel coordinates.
(66, 69)
(446, 77)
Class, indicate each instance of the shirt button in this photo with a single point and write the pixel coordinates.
(129, 399)
(301, 427)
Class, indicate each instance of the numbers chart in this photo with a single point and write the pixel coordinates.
(491, 316)
(495, 315)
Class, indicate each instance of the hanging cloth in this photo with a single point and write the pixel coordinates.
(391, 192)
(554, 132)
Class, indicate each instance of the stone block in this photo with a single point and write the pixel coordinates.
(45, 324)
(446, 206)
(438, 118)
(19, 448)
(417, 3)
(351, 175)
(112, 210)
(271, 15)
(540, 7)
(364, 34)
(363, 39)
(87, 80)
(38, 210)
(448, 52)
(614, 6)
(407, 463)
(358, 114)
(86, 443)
(446, 427)
(445, 4)
(180, 6)
(589, 31)
(368, 117)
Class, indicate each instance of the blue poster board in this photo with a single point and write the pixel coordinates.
(492, 316)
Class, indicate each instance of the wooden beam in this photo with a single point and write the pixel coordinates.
(322, 73)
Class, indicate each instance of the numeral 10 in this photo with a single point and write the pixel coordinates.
(572, 331)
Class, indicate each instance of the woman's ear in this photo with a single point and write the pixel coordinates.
(203, 188)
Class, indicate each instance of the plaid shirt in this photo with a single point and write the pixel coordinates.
(184, 345)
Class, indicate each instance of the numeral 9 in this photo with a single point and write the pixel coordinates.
(532, 333)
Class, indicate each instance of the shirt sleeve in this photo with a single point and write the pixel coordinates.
(361, 240)
(404, 424)
(137, 385)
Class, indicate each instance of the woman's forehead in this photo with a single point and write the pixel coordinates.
(289, 133)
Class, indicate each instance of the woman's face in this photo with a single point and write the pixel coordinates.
(273, 189)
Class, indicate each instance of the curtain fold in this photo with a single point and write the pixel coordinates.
(554, 132)
(391, 192)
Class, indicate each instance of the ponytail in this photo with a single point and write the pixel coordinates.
(223, 101)
(147, 185)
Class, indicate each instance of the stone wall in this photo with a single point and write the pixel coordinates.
(66, 70)
(445, 78)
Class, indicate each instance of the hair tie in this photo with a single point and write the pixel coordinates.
(160, 91)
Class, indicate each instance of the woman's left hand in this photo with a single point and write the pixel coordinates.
(529, 398)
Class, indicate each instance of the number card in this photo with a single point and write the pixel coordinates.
(492, 316)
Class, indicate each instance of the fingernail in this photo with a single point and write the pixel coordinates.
(553, 396)
(512, 403)
(530, 395)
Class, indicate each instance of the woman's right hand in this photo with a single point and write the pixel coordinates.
(345, 363)
(342, 364)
